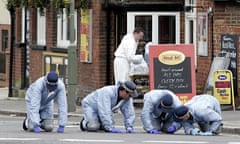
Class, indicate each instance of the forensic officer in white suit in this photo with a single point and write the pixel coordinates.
(40, 98)
(99, 106)
(157, 112)
(203, 110)
(124, 53)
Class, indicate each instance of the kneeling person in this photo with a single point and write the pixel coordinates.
(39, 104)
(203, 110)
(99, 106)
(157, 112)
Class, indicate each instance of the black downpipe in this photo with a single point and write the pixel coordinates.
(212, 55)
(12, 14)
(25, 50)
(108, 43)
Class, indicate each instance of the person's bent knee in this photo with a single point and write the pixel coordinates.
(93, 125)
(47, 125)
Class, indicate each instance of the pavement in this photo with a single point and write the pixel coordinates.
(16, 107)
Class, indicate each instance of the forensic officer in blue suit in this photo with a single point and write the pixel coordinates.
(157, 112)
(40, 98)
(204, 110)
(99, 106)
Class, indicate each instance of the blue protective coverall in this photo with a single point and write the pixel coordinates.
(150, 115)
(39, 102)
(99, 106)
(206, 111)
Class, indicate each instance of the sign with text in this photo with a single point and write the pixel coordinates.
(86, 36)
(172, 67)
(223, 86)
(229, 44)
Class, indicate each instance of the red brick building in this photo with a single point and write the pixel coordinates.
(201, 23)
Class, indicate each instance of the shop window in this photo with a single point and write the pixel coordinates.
(63, 29)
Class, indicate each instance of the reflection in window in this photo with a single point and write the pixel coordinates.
(63, 29)
(4, 40)
(41, 27)
(146, 23)
(167, 29)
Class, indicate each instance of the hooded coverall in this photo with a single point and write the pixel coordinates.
(98, 108)
(123, 55)
(206, 111)
(151, 112)
(39, 104)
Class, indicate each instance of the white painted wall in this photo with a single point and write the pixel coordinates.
(4, 13)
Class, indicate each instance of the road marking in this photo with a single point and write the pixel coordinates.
(88, 140)
(179, 142)
(234, 143)
(19, 139)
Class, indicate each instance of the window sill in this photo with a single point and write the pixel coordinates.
(38, 47)
(59, 49)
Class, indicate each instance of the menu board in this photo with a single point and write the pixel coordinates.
(229, 44)
(172, 67)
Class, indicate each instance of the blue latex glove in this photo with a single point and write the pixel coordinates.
(115, 130)
(36, 129)
(60, 129)
(172, 129)
(130, 130)
(195, 131)
(207, 133)
(154, 131)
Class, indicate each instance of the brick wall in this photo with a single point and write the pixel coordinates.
(93, 75)
(227, 21)
(204, 62)
(35, 65)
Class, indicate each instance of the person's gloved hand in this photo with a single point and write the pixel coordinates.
(207, 133)
(60, 129)
(130, 130)
(154, 131)
(115, 130)
(195, 131)
(171, 129)
(36, 129)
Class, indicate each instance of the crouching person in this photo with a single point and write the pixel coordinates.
(203, 110)
(99, 106)
(157, 112)
(40, 98)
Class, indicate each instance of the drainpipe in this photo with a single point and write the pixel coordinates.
(25, 65)
(12, 15)
(108, 43)
(212, 27)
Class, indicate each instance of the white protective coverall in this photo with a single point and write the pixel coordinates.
(123, 56)
(39, 103)
(206, 111)
(99, 106)
(150, 115)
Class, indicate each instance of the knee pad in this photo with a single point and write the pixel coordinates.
(93, 125)
(47, 125)
(29, 125)
(219, 129)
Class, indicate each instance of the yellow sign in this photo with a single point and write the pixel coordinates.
(86, 35)
(223, 87)
(171, 57)
(56, 62)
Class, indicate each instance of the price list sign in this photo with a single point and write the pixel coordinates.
(172, 67)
